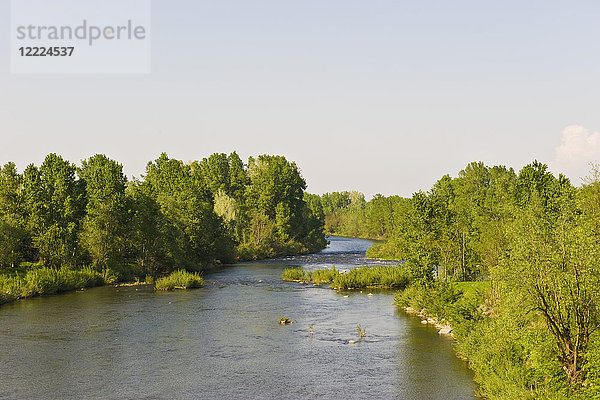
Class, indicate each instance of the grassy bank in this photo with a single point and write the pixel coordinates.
(457, 304)
(179, 279)
(42, 281)
(356, 278)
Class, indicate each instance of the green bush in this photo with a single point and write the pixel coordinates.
(179, 279)
(508, 348)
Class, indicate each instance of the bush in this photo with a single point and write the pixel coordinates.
(442, 300)
(508, 350)
(179, 279)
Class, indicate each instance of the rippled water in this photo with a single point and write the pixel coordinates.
(224, 341)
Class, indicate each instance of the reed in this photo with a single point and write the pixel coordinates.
(41, 281)
(180, 279)
(384, 276)
(296, 275)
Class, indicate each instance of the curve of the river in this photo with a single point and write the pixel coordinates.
(224, 341)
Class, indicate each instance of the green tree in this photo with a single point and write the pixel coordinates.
(55, 204)
(279, 220)
(106, 222)
(14, 237)
(553, 259)
(198, 236)
(150, 235)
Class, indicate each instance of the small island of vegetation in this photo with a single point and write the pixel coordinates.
(385, 276)
(179, 279)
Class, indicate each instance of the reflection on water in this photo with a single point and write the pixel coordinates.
(224, 341)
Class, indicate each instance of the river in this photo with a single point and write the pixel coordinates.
(224, 341)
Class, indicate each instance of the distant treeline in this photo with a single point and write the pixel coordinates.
(179, 215)
(460, 225)
(534, 236)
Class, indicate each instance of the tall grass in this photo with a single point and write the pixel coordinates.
(179, 279)
(384, 276)
(316, 276)
(296, 275)
(45, 280)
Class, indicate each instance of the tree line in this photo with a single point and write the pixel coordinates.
(178, 215)
(532, 235)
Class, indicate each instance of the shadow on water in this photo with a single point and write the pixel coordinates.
(224, 341)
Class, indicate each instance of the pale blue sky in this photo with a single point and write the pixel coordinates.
(377, 96)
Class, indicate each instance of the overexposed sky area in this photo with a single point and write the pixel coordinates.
(377, 96)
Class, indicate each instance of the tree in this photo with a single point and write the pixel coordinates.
(55, 204)
(225, 177)
(150, 236)
(13, 235)
(198, 237)
(444, 225)
(105, 223)
(279, 220)
(553, 259)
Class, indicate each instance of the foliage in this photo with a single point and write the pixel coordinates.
(532, 236)
(106, 220)
(179, 279)
(45, 280)
(361, 277)
(54, 208)
(190, 215)
(315, 276)
(279, 219)
(386, 276)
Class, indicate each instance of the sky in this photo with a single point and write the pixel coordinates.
(377, 96)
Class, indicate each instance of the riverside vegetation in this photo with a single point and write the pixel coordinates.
(73, 226)
(355, 278)
(510, 260)
(179, 279)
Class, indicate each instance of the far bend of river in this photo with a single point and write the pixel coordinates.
(224, 341)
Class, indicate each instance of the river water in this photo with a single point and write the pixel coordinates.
(224, 341)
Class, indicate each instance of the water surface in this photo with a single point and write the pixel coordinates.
(224, 341)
